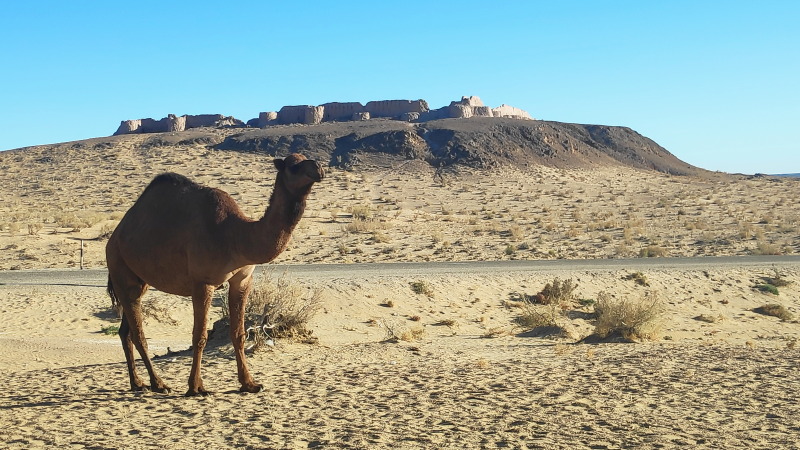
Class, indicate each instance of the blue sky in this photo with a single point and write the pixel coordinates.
(717, 83)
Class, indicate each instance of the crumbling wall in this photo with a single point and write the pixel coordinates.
(406, 110)
(129, 127)
(395, 108)
(176, 123)
(510, 111)
(340, 112)
(267, 118)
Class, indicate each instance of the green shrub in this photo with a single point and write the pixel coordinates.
(766, 287)
(421, 287)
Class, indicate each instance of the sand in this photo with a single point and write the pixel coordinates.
(464, 374)
(472, 379)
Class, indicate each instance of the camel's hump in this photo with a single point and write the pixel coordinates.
(172, 178)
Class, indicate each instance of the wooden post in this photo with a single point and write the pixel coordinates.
(81, 254)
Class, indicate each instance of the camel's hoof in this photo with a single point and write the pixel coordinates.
(251, 388)
(196, 392)
(161, 389)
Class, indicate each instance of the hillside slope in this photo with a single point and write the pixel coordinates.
(479, 143)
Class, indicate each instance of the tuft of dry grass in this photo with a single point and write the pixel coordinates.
(653, 251)
(638, 277)
(775, 310)
(396, 332)
(545, 319)
(632, 320)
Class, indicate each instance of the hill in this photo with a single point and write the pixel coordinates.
(475, 142)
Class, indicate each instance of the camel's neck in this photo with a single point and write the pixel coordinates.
(270, 235)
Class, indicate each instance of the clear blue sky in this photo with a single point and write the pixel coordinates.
(717, 83)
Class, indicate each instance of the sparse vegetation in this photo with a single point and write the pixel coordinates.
(422, 288)
(653, 251)
(538, 316)
(278, 308)
(767, 288)
(110, 330)
(638, 277)
(775, 310)
(396, 332)
(631, 320)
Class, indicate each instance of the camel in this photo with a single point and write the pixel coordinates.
(186, 239)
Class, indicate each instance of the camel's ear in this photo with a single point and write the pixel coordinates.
(279, 164)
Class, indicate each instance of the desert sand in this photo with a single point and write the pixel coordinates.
(392, 368)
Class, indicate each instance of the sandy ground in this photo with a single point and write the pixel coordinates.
(717, 375)
(471, 378)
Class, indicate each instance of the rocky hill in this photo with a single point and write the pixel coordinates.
(477, 142)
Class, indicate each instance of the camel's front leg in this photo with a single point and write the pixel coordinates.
(201, 301)
(239, 289)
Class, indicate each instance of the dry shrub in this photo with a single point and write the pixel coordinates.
(653, 251)
(765, 248)
(280, 309)
(362, 212)
(359, 225)
(152, 310)
(556, 293)
(777, 280)
(631, 320)
(638, 277)
(396, 332)
(540, 316)
(775, 310)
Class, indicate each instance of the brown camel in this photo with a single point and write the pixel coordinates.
(187, 239)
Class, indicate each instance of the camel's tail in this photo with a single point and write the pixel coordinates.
(114, 300)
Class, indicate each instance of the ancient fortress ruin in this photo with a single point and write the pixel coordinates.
(405, 110)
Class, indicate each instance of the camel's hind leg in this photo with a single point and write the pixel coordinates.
(128, 292)
(240, 286)
(127, 347)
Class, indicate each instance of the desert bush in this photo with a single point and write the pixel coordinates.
(777, 280)
(359, 225)
(765, 248)
(766, 287)
(421, 287)
(633, 320)
(539, 316)
(110, 330)
(775, 310)
(556, 292)
(34, 228)
(397, 332)
(652, 251)
(638, 277)
(280, 309)
(363, 212)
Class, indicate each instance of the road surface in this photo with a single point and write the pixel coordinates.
(98, 277)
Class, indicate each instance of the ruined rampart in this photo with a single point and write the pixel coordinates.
(405, 110)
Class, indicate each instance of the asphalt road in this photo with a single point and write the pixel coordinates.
(98, 277)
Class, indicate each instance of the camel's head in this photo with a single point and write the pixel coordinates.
(298, 172)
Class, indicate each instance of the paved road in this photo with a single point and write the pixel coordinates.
(97, 277)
